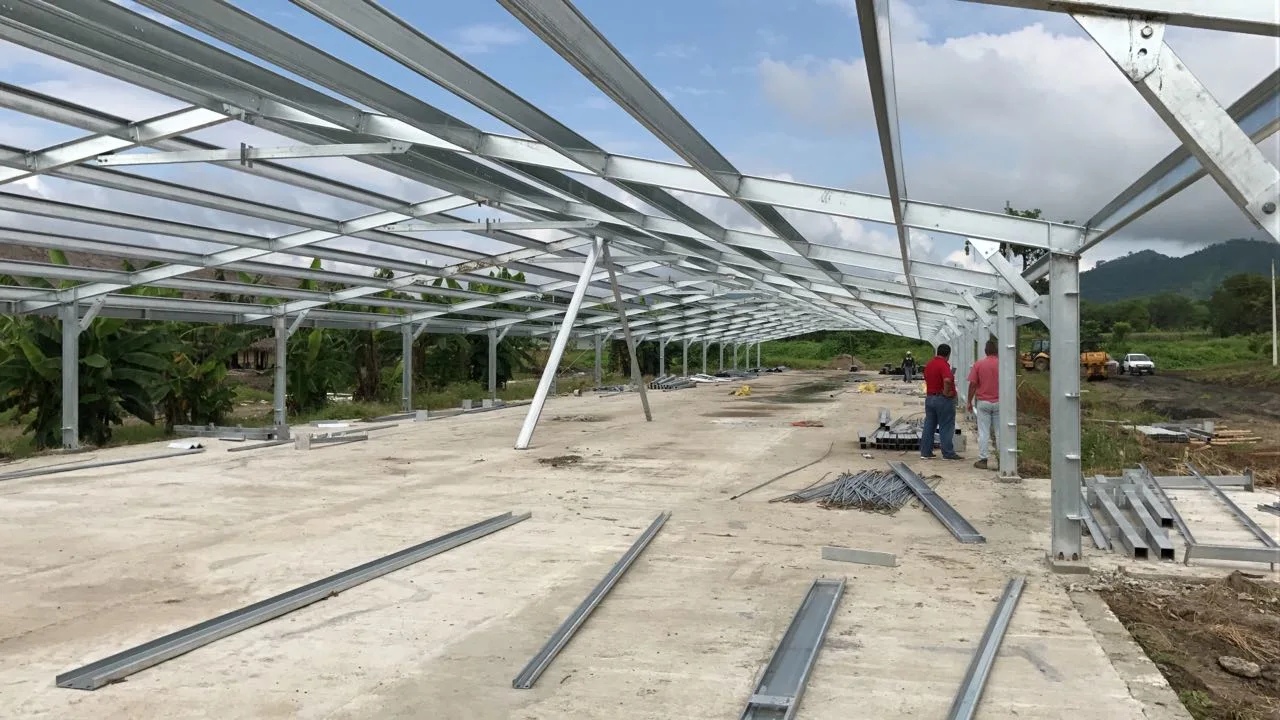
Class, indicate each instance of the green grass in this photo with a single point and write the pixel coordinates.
(14, 444)
(1104, 446)
(809, 354)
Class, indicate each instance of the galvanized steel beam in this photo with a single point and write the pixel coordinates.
(560, 638)
(121, 665)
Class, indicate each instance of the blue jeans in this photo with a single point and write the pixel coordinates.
(939, 417)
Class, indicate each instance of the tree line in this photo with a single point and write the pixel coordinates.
(1241, 305)
(176, 372)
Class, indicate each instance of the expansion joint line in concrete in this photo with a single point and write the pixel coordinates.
(975, 679)
(123, 664)
(560, 638)
(941, 509)
(777, 694)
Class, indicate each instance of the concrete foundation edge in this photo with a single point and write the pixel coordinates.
(1146, 685)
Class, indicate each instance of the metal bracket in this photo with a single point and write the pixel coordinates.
(94, 308)
(245, 160)
(1133, 42)
(297, 322)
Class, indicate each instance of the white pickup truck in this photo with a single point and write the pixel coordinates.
(1137, 364)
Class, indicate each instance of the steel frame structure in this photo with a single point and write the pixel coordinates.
(676, 274)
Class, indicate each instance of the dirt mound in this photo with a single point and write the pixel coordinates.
(1188, 628)
(845, 362)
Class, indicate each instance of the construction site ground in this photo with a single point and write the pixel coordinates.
(95, 562)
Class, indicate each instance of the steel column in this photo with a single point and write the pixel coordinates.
(406, 368)
(598, 341)
(662, 356)
(1064, 406)
(278, 388)
(493, 363)
(636, 377)
(70, 317)
(704, 356)
(684, 366)
(758, 354)
(721, 346)
(557, 348)
(1007, 331)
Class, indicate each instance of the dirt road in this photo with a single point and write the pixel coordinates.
(1179, 398)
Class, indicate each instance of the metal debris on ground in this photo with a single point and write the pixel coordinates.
(871, 490)
(671, 382)
(1273, 508)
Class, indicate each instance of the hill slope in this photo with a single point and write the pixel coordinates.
(1196, 275)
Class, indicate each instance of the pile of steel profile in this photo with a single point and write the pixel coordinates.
(893, 435)
(783, 679)
(870, 490)
(119, 666)
(1134, 510)
(358, 433)
(223, 432)
(671, 382)
(560, 638)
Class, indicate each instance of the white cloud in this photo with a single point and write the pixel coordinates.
(483, 38)
(1037, 118)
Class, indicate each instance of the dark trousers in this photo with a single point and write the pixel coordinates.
(939, 417)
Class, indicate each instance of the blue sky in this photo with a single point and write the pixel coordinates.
(996, 104)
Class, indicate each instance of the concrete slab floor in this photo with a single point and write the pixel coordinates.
(95, 562)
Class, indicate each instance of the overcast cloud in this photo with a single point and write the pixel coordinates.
(1033, 116)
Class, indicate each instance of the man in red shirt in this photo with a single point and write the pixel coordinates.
(939, 405)
(984, 386)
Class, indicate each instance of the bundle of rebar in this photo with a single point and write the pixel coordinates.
(869, 490)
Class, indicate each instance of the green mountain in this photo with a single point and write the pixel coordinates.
(1196, 275)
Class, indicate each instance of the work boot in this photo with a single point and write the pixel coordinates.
(981, 464)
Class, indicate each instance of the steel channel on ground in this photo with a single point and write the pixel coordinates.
(1271, 558)
(542, 660)
(975, 679)
(777, 694)
(1156, 536)
(1178, 522)
(50, 469)
(947, 515)
(257, 446)
(1273, 509)
(1100, 540)
(121, 665)
(1129, 538)
(1236, 510)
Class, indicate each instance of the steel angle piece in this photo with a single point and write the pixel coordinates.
(975, 679)
(782, 682)
(560, 638)
(123, 664)
(941, 509)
